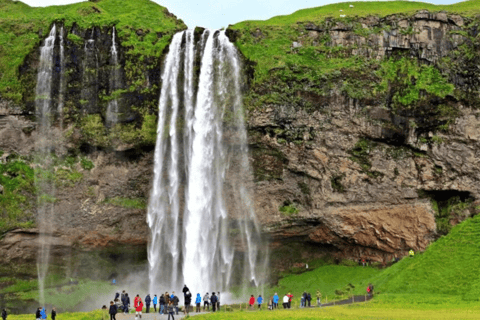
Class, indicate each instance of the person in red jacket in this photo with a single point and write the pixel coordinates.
(252, 301)
(138, 307)
(290, 297)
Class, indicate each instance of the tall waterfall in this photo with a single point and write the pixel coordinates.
(44, 146)
(112, 108)
(90, 75)
(200, 205)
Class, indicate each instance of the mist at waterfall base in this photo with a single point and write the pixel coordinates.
(203, 228)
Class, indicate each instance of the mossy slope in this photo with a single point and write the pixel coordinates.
(143, 26)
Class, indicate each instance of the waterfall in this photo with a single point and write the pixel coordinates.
(61, 97)
(200, 203)
(112, 108)
(44, 147)
(90, 76)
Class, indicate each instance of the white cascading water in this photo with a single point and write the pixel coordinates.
(200, 201)
(61, 96)
(44, 145)
(90, 75)
(112, 108)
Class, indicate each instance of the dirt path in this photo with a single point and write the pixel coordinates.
(154, 316)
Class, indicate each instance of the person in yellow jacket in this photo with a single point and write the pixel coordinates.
(411, 253)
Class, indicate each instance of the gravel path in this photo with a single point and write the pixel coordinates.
(154, 316)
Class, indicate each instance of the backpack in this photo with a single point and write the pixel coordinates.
(368, 289)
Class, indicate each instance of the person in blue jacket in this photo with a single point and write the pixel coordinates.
(275, 301)
(154, 301)
(259, 301)
(43, 313)
(198, 302)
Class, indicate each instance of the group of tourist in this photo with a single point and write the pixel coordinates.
(167, 303)
(305, 300)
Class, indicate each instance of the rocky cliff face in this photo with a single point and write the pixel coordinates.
(364, 174)
(344, 164)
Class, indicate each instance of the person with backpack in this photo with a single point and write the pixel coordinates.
(54, 313)
(43, 313)
(175, 301)
(154, 301)
(259, 301)
(198, 302)
(38, 314)
(309, 299)
(275, 301)
(188, 301)
(162, 304)
(4, 314)
(148, 300)
(206, 302)
(112, 311)
(138, 307)
(214, 300)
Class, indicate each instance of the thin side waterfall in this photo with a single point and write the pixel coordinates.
(112, 108)
(90, 75)
(200, 204)
(44, 147)
(61, 97)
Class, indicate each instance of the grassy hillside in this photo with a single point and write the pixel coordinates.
(315, 67)
(22, 28)
(449, 266)
(363, 9)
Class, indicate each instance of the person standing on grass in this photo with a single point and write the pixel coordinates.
(154, 301)
(252, 301)
(259, 301)
(275, 301)
(4, 314)
(38, 314)
(270, 303)
(185, 290)
(206, 302)
(302, 300)
(148, 300)
(54, 313)
(309, 299)
(319, 297)
(213, 301)
(290, 298)
(285, 301)
(218, 301)
(167, 301)
(43, 313)
(198, 302)
(170, 310)
(112, 311)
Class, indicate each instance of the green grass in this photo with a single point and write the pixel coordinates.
(370, 310)
(448, 266)
(93, 315)
(23, 27)
(129, 203)
(17, 179)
